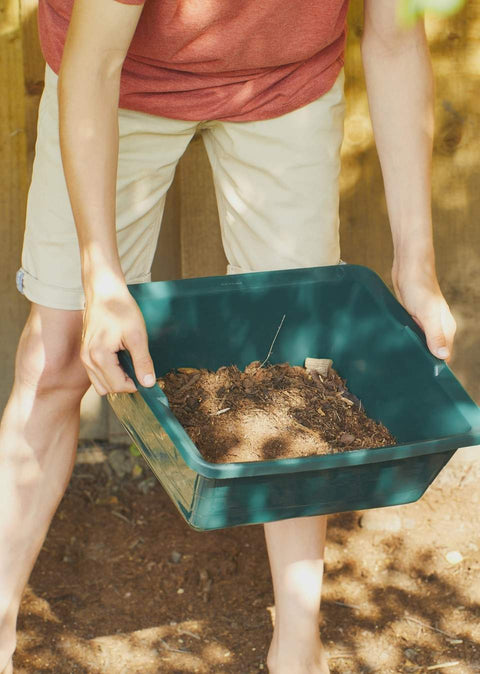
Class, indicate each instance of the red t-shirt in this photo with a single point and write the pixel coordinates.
(236, 60)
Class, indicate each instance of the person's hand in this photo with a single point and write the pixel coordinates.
(417, 289)
(112, 322)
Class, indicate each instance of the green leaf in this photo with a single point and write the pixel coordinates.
(411, 10)
(134, 450)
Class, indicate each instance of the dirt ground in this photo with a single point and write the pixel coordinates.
(123, 586)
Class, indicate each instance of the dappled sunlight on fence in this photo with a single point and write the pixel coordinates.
(454, 44)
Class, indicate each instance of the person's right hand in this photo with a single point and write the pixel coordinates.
(113, 322)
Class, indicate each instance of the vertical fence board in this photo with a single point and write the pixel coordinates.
(13, 182)
(200, 240)
(33, 72)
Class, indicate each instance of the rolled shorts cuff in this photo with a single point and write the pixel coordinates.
(54, 297)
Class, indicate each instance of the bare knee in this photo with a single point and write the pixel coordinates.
(48, 355)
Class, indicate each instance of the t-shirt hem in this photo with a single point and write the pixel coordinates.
(302, 98)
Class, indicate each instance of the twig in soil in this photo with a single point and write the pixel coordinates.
(190, 634)
(271, 345)
(173, 650)
(89, 496)
(429, 627)
(443, 665)
(121, 517)
(316, 379)
(465, 475)
(306, 429)
(216, 414)
(341, 603)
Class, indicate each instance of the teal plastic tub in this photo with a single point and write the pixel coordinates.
(341, 312)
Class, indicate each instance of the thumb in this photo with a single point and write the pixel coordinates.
(142, 362)
(436, 338)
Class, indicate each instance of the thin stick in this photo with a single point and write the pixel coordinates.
(443, 665)
(121, 517)
(271, 345)
(341, 603)
(310, 431)
(173, 650)
(215, 414)
(190, 634)
(435, 629)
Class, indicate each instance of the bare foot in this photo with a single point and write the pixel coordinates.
(300, 660)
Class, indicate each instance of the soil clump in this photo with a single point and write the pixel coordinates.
(269, 412)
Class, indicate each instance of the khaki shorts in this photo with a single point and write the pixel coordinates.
(276, 183)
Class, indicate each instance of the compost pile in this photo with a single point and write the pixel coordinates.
(269, 412)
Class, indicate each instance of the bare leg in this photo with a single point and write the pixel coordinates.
(295, 549)
(38, 439)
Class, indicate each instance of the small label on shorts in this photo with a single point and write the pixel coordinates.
(19, 280)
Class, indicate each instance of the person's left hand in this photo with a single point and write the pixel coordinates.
(418, 291)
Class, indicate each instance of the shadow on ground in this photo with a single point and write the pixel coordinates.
(123, 586)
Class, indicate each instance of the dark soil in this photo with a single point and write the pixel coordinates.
(271, 412)
(123, 586)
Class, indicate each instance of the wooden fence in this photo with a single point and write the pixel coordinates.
(190, 242)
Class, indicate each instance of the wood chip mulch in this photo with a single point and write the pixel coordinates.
(269, 412)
